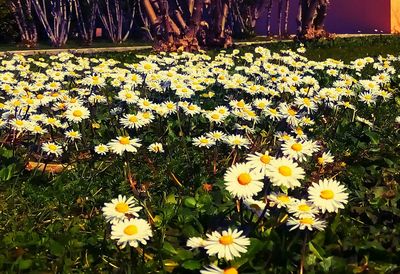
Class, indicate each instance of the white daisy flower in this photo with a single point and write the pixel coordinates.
(242, 181)
(325, 158)
(296, 150)
(120, 209)
(309, 223)
(203, 142)
(52, 148)
(302, 209)
(284, 172)
(124, 143)
(280, 199)
(195, 242)
(76, 114)
(328, 195)
(259, 161)
(226, 245)
(101, 149)
(237, 141)
(156, 148)
(73, 135)
(131, 232)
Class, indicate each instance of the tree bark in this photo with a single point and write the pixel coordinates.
(117, 17)
(22, 12)
(311, 16)
(60, 12)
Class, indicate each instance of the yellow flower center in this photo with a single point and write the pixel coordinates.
(226, 240)
(131, 230)
(19, 122)
(285, 170)
(77, 113)
(297, 147)
(368, 97)
(321, 160)
(273, 111)
(133, 119)
(128, 96)
(265, 159)
(231, 270)
(215, 116)
(327, 194)
(147, 66)
(240, 104)
(292, 112)
(146, 103)
(51, 120)
(204, 141)
(284, 199)
(52, 147)
(124, 141)
(191, 107)
(299, 131)
(306, 221)
(304, 207)
(244, 179)
(122, 207)
(307, 101)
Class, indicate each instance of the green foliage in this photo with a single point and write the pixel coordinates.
(8, 27)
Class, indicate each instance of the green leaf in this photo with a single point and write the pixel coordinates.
(6, 153)
(171, 199)
(316, 250)
(191, 265)
(184, 254)
(24, 264)
(169, 248)
(56, 248)
(373, 136)
(190, 202)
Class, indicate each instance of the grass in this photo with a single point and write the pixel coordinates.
(345, 49)
(73, 44)
(342, 48)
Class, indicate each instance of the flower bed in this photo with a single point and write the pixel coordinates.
(244, 162)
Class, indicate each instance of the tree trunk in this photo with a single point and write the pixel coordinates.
(286, 18)
(22, 12)
(60, 12)
(269, 15)
(311, 18)
(117, 17)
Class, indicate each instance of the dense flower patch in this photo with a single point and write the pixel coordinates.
(214, 161)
